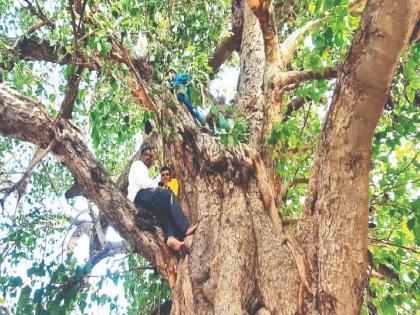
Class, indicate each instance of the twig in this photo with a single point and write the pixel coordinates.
(38, 13)
(21, 184)
(376, 240)
(146, 100)
(305, 120)
(75, 29)
(81, 15)
(121, 272)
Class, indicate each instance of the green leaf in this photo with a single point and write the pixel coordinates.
(24, 298)
(388, 306)
(82, 306)
(411, 223)
(411, 94)
(105, 48)
(115, 278)
(222, 121)
(38, 295)
(15, 282)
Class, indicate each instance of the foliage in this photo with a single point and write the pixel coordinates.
(182, 35)
(228, 125)
(146, 289)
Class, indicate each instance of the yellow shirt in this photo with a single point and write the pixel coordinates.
(173, 185)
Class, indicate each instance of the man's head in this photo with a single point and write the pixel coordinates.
(172, 74)
(146, 156)
(165, 174)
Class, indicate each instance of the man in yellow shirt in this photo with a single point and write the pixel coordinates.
(168, 181)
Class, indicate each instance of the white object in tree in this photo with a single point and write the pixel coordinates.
(140, 48)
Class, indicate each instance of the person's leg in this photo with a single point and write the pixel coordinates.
(196, 114)
(164, 204)
(153, 201)
(183, 100)
(179, 220)
(157, 201)
(172, 239)
(189, 94)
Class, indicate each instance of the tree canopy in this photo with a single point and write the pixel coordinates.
(76, 60)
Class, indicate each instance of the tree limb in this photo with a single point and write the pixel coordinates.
(74, 77)
(80, 281)
(39, 13)
(223, 52)
(263, 10)
(21, 185)
(295, 77)
(231, 43)
(35, 49)
(20, 117)
(71, 93)
(35, 27)
(289, 46)
(141, 89)
(336, 206)
(294, 105)
(291, 43)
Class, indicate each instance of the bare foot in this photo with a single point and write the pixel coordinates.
(173, 243)
(191, 229)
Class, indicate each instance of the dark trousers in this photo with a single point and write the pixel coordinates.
(165, 205)
(187, 102)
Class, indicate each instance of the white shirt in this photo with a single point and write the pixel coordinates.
(138, 178)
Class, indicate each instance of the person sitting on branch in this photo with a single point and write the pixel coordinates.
(162, 202)
(181, 84)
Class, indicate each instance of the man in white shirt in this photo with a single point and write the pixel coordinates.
(162, 202)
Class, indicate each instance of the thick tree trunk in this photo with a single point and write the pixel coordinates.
(232, 266)
(236, 255)
(335, 226)
(238, 263)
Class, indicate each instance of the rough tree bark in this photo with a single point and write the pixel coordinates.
(240, 259)
(335, 226)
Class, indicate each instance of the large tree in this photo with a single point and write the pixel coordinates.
(240, 179)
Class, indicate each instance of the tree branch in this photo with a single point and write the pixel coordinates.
(291, 43)
(71, 93)
(382, 269)
(38, 13)
(35, 27)
(141, 89)
(231, 43)
(20, 118)
(298, 181)
(35, 49)
(21, 185)
(223, 52)
(294, 105)
(295, 77)
(263, 10)
(337, 205)
(80, 281)
(289, 46)
(122, 181)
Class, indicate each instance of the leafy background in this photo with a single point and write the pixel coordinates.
(36, 273)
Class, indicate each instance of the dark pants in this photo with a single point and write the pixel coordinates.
(187, 102)
(165, 205)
